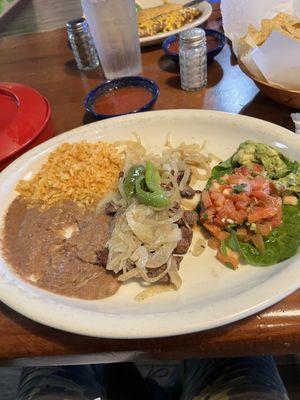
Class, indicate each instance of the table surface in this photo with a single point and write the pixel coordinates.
(44, 61)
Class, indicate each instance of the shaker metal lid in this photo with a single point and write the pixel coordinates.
(192, 35)
(23, 114)
(78, 24)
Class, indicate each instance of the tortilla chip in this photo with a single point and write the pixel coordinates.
(287, 24)
(294, 30)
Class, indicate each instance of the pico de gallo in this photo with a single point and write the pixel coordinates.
(244, 202)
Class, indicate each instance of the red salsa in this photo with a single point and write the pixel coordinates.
(122, 100)
(211, 43)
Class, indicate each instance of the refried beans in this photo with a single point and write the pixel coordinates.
(56, 248)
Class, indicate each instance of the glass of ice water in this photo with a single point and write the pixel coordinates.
(113, 25)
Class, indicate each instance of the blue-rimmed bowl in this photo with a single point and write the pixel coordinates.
(218, 36)
(116, 84)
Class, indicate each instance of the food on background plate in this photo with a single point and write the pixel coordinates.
(165, 18)
(145, 14)
(97, 214)
(251, 206)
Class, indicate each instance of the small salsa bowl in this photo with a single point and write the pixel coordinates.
(113, 92)
(211, 35)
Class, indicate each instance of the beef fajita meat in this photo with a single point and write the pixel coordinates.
(180, 176)
(152, 273)
(188, 192)
(189, 218)
(178, 260)
(111, 208)
(184, 244)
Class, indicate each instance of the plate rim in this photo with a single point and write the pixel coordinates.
(114, 330)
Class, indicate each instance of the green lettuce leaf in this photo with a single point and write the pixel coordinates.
(281, 244)
(225, 167)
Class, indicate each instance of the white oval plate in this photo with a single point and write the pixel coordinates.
(211, 294)
(204, 7)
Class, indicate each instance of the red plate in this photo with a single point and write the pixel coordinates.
(23, 114)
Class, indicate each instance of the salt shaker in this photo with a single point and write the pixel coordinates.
(193, 59)
(82, 44)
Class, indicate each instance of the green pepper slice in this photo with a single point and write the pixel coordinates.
(134, 172)
(152, 177)
(157, 199)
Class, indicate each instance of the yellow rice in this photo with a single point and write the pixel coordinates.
(83, 172)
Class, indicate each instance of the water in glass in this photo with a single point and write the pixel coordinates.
(113, 24)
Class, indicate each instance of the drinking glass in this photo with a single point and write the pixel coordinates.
(113, 25)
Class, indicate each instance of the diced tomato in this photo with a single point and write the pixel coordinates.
(237, 180)
(213, 243)
(230, 258)
(209, 213)
(243, 170)
(261, 195)
(260, 213)
(240, 197)
(260, 184)
(248, 237)
(227, 192)
(228, 211)
(258, 242)
(214, 186)
(241, 233)
(216, 231)
(257, 168)
(240, 217)
(264, 228)
(241, 205)
(220, 222)
(217, 198)
(277, 219)
(205, 197)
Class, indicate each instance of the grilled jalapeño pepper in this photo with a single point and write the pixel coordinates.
(152, 177)
(157, 199)
(129, 182)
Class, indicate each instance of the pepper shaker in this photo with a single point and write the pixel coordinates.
(193, 59)
(82, 44)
